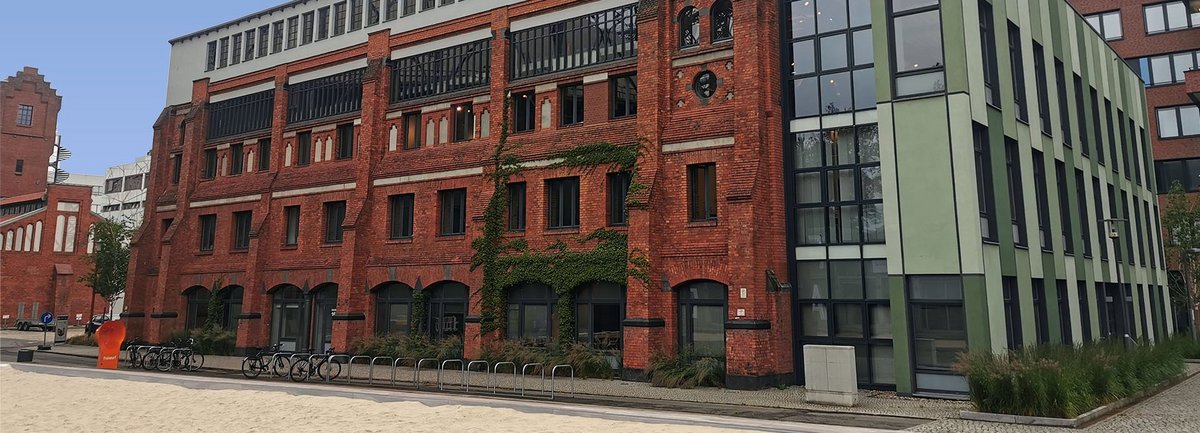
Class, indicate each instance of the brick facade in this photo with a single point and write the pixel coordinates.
(737, 128)
(31, 144)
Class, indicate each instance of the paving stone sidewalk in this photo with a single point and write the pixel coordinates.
(870, 403)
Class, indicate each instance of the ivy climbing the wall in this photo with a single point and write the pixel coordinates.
(507, 263)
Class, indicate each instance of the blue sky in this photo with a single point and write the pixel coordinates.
(108, 60)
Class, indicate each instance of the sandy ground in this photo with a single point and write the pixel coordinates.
(33, 402)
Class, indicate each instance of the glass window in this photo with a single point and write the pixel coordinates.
(599, 311)
(562, 203)
(335, 215)
(531, 313)
(516, 206)
(303, 148)
(524, 111)
(241, 230)
(291, 232)
(453, 212)
(702, 192)
(400, 216)
(571, 100)
(702, 317)
(938, 320)
(838, 184)
(393, 309)
(624, 96)
(264, 154)
(812, 280)
(345, 141)
(834, 71)
(917, 57)
(618, 191)
(689, 27)
(1107, 24)
(1170, 16)
(464, 122)
(722, 20)
(208, 232)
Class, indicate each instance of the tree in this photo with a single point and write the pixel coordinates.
(109, 259)
(1181, 220)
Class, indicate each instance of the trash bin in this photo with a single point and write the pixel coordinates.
(24, 355)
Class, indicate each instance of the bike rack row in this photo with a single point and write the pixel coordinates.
(466, 370)
(138, 353)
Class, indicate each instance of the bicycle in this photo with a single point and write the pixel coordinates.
(149, 360)
(183, 358)
(266, 360)
(324, 368)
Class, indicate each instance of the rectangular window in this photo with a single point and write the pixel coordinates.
(1080, 115)
(24, 115)
(176, 167)
(224, 56)
(917, 54)
(450, 69)
(306, 35)
(250, 44)
(1064, 312)
(241, 230)
(1064, 208)
(276, 36)
(264, 154)
(303, 148)
(335, 215)
(1112, 133)
(562, 203)
(584, 40)
(1060, 85)
(323, 23)
(392, 10)
(702, 192)
(939, 324)
(524, 111)
(1107, 24)
(291, 228)
(133, 182)
(113, 185)
(516, 206)
(427, 5)
(211, 59)
(571, 100)
(618, 191)
(1043, 93)
(210, 163)
(1175, 122)
(1041, 324)
(400, 216)
(453, 203)
(237, 159)
(264, 35)
(1084, 217)
(345, 141)
(991, 73)
(372, 12)
(1016, 61)
(326, 96)
(1043, 202)
(1099, 204)
(410, 7)
(464, 122)
(20, 168)
(1170, 16)
(983, 183)
(1085, 311)
(293, 31)
(1126, 145)
(356, 14)
(235, 54)
(208, 231)
(412, 130)
(1096, 125)
(1016, 196)
(1165, 69)
(624, 96)
(339, 18)
(1012, 313)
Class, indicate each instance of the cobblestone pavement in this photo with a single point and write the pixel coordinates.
(1176, 410)
(870, 402)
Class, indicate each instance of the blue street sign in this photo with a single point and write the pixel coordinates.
(47, 318)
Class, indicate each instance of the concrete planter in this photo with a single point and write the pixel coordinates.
(1076, 422)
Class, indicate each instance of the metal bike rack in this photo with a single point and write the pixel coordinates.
(396, 364)
(526, 366)
(554, 373)
(132, 349)
(371, 369)
(493, 383)
(461, 367)
(467, 379)
(332, 356)
(276, 357)
(417, 373)
(350, 366)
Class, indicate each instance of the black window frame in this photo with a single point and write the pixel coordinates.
(820, 81)
(938, 68)
(264, 38)
(411, 133)
(400, 216)
(1084, 216)
(293, 33)
(323, 23)
(517, 196)
(721, 21)
(210, 62)
(307, 27)
(235, 49)
(583, 41)
(464, 122)
(451, 69)
(1066, 232)
(1017, 71)
(223, 57)
(524, 111)
(1041, 194)
(241, 230)
(264, 154)
(617, 185)
(702, 192)
(984, 180)
(1043, 89)
(339, 18)
(452, 218)
(326, 96)
(303, 148)
(356, 15)
(688, 21)
(291, 225)
(520, 298)
(276, 36)
(623, 96)
(335, 216)
(345, 141)
(687, 315)
(250, 36)
(210, 164)
(1190, 18)
(991, 69)
(237, 159)
(241, 115)
(1041, 325)
(1060, 87)
(24, 115)
(1012, 313)
(208, 232)
(1064, 312)
(1177, 111)
(1016, 193)
(571, 102)
(1102, 30)
(562, 203)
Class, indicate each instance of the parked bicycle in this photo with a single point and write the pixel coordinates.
(182, 358)
(324, 367)
(149, 360)
(266, 361)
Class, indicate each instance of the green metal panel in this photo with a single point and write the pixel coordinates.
(925, 184)
(881, 39)
(1025, 288)
(1050, 277)
(954, 46)
(900, 336)
(976, 305)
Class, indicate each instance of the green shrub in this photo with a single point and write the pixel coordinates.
(405, 346)
(1064, 381)
(685, 370)
(587, 362)
(1185, 345)
(210, 340)
(83, 340)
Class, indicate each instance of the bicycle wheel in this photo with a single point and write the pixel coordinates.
(195, 361)
(150, 361)
(329, 370)
(166, 362)
(251, 367)
(299, 371)
(280, 367)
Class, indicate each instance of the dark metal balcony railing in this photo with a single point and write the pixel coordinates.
(446, 70)
(592, 39)
(326, 96)
(240, 115)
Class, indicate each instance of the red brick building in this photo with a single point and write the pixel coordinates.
(1161, 40)
(321, 175)
(43, 227)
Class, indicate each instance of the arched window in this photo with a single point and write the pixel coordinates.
(531, 313)
(702, 317)
(447, 309)
(393, 308)
(599, 310)
(197, 308)
(722, 20)
(287, 316)
(231, 306)
(689, 27)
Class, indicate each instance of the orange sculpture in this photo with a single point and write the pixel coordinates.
(110, 336)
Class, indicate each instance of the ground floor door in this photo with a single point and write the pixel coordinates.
(324, 306)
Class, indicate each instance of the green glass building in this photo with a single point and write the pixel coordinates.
(964, 175)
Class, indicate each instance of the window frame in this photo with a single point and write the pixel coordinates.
(411, 131)
(1016, 63)
(991, 58)
(264, 154)
(291, 225)
(335, 216)
(562, 203)
(241, 230)
(721, 21)
(1102, 31)
(237, 159)
(1177, 110)
(1191, 19)
(208, 233)
(688, 22)
(896, 75)
(571, 103)
(464, 122)
(401, 209)
(621, 105)
(705, 210)
(617, 186)
(345, 141)
(517, 199)
(452, 216)
(1016, 192)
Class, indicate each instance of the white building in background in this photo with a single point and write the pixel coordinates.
(124, 191)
